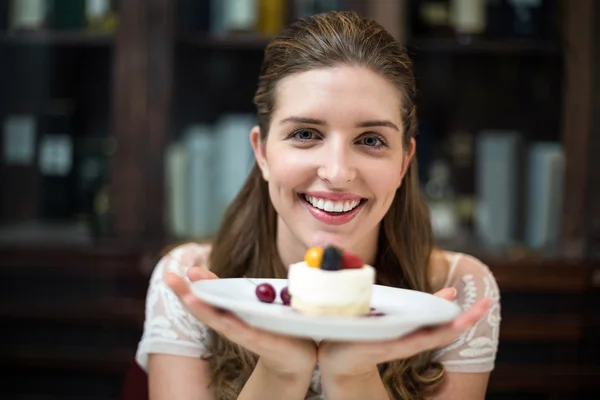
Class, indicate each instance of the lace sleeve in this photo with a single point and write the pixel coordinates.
(475, 350)
(168, 327)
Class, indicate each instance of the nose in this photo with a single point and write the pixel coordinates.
(337, 167)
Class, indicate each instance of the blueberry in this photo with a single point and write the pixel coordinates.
(331, 259)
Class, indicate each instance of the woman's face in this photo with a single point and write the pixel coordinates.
(333, 158)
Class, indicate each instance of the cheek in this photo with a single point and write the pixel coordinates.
(385, 180)
(289, 171)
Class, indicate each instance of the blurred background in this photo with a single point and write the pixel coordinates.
(125, 131)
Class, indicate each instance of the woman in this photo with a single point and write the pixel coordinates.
(336, 120)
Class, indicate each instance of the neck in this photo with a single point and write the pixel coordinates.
(291, 249)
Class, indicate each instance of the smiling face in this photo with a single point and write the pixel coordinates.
(334, 158)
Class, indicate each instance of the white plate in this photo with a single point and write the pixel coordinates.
(405, 311)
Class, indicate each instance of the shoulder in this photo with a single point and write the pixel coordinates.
(460, 270)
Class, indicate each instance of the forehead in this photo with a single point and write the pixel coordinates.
(338, 92)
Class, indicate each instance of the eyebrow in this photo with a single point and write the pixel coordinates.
(364, 124)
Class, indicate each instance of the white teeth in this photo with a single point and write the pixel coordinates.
(348, 206)
(329, 206)
(332, 206)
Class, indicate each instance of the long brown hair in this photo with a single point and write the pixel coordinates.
(245, 243)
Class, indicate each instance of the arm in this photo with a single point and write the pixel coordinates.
(461, 385)
(177, 377)
(455, 385)
(266, 384)
(173, 341)
(469, 360)
(357, 387)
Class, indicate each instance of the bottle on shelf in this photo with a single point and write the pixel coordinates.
(55, 161)
(100, 16)
(28, 15)
(234, 17)
(440, 197)
(431, 19)
(468, 17)
(517, 18)
(271, 18)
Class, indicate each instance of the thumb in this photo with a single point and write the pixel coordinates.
(199, 273)
(446, 293)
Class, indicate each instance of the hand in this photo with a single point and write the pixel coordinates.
(344, 359)
(280, 354)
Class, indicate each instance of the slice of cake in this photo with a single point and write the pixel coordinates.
(331, 281)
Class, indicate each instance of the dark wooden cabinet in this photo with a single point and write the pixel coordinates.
(73, 297)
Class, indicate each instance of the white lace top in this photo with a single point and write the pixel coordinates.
(170, 329)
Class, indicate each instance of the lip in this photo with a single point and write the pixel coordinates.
(334, 196)
(331, 219)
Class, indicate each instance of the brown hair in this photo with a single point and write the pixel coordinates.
(245, 243)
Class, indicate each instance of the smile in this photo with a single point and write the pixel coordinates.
(332, 211)
(332, 206)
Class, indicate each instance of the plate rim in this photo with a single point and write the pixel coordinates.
(380, 321)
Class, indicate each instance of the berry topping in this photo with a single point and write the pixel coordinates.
(351, 261)
(285, 296)
(313, 257)
(265, 293)
(332, 259)
(375, 314)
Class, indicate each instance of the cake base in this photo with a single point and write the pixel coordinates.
(346, 310)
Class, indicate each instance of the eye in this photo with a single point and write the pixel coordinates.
(303, 135)
(373, 141)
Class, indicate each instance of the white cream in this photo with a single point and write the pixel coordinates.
(335, 288)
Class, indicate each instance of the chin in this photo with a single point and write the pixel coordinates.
(322, 239)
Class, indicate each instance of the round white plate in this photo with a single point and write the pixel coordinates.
(404, 311)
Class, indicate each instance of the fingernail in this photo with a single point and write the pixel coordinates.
(454, 292)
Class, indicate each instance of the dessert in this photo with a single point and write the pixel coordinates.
(331, 281)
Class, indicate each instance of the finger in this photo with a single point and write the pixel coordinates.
(472, 315)
(444, 334)
(200, 310)
(199, 273)
(226, 323)
(446, 293)
(256, 340)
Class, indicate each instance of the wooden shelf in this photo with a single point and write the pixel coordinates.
(66, 38)
(100, 260)
(109, 362)
(555, 328)
(122, 312)
(531, 274)
(484, 46)
(230, 42)
(420, 45)
(545, 379)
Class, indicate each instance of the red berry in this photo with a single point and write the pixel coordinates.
(285, 296)
(375, 314)
(265, 293)
(351, 261)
